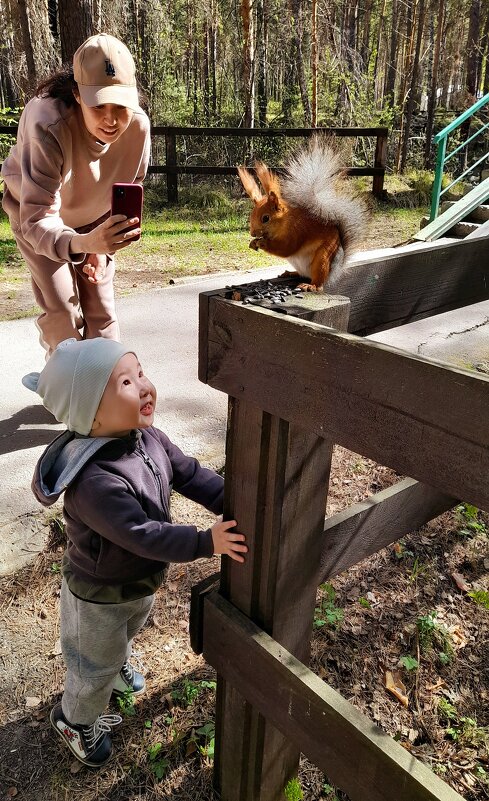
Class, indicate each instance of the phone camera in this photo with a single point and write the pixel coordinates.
(120, 191)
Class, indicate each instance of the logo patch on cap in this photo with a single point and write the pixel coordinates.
(109, 68)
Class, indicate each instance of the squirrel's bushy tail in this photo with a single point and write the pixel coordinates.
(315, 181)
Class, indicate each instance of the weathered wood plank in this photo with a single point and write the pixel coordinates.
(273, 469)
(368, 526)
(415, 415)
(414, 284)
(354, 753)
(196, 617)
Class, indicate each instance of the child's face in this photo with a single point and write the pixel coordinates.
(128, 401)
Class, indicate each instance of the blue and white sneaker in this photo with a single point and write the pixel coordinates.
(128, 680)
(91, 744)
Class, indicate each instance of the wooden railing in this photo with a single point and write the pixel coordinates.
(295, 389)
(172, 169)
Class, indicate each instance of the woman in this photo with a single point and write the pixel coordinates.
(82, 132)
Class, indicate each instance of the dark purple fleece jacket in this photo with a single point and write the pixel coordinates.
(117, 507)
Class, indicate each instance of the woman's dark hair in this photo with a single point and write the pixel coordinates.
(60, 84)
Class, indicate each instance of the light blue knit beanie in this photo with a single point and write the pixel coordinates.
(74, 379)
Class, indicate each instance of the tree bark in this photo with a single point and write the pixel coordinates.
(472, 47)
(412, 89)
(75, 25)
(314, 63)
(248, 63)
(434, 85)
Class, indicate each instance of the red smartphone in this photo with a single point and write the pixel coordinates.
(128, 199)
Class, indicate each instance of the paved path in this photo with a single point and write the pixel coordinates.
(162, 326)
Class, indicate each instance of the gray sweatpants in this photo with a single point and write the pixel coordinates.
(96, 640)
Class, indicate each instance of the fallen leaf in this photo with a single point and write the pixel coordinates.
(56, 651)
(191, 748)
(12, 792)
(75, 767)
(183, 624)
(434, 687)
(458, 636)
(460, 582)
(31, 701)
(394, 685)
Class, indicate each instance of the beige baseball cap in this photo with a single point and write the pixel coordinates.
(105, 72)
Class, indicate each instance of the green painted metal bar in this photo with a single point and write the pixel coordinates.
(463, 174)
(440, 160)
(457, 149)
(465, 116)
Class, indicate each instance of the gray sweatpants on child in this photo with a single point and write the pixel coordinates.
(96, 640)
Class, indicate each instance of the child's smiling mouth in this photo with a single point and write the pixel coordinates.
(147, 409)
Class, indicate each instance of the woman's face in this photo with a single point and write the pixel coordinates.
(106, 123)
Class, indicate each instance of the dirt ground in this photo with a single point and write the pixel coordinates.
(404, 603)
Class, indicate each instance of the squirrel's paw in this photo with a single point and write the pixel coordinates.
(310, 287)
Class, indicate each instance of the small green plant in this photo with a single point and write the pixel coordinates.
(293, 790)
(208, 733)
(418, 569)
(481, 597)
(447, 710)
(462, 729)
(55, 567)
(431, 634)
(409, 662)
(328, 612)
(158, 765)
(426, 625)
(330, 792)
(468, 516)
(125, 702)
(190, 691)
(364, 602)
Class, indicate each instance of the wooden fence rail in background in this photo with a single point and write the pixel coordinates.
(172, 169)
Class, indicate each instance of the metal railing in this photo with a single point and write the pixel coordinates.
(441, 157)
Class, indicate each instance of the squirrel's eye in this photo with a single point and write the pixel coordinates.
(265, 218)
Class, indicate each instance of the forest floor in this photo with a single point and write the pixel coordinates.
(408, 609)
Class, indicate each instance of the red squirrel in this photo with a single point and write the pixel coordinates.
(310, 216)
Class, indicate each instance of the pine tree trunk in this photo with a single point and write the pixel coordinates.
(412, 89)
(262, 87)
(390, 82)
(75, 25)
(296, 7)
(472, 47)
(27, 40)
(248, 63)
(434, 86)
(314, 63)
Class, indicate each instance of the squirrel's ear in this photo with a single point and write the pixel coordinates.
(250, 186)
(274, 200)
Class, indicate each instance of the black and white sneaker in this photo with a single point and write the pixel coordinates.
(91, 744)
(128, 680)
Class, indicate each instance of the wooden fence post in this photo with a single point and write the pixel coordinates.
(276, 487)
(171, 164)
(380, 160)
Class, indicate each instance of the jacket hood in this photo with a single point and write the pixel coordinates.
(63, 460)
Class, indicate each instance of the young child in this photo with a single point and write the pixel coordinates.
(117, 472)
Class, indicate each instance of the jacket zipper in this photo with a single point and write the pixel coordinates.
(157, 478)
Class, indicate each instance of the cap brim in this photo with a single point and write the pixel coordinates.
(118, 94)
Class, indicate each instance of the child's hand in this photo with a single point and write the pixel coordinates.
(228, 542)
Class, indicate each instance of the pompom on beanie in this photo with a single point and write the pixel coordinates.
(74, 379)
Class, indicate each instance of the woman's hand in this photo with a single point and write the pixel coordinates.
(95, 267)
(227, 542)
(109, 236)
